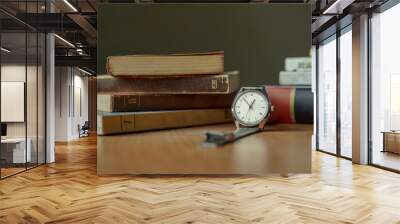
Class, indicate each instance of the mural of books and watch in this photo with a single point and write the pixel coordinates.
(160, 88)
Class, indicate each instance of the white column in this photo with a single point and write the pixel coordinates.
(50, 94)
(314, 91)
(360, 90)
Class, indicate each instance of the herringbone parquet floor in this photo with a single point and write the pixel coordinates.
(69, 191)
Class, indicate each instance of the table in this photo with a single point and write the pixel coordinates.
(279, 149)
(13, 150)
(391, 141)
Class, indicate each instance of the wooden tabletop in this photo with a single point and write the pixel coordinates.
(278, 149)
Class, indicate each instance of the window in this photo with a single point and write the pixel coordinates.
(346, 92)
(326, 94)
(334, 106)
(385, 89)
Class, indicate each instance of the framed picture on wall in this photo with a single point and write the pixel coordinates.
(12, 101)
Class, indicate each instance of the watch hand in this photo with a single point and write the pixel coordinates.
(248, 112)
(251, 105)
(246, 102)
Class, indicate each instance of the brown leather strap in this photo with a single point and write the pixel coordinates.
(222, 138)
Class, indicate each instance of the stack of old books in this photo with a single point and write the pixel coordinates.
(152, 92)
(297, 72)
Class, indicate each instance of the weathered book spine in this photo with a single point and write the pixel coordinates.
(166, 64)
(151, 102)
(291, 104)
(116, 123)
(220, 84)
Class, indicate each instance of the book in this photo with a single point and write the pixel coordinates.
(225, 83)
(166, 65)
(126, 122)
(291, 104)
(298, 64)
(115, 102)
(295, 78)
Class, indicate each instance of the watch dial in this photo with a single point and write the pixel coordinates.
(250, 108)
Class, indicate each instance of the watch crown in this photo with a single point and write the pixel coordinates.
(272, 108)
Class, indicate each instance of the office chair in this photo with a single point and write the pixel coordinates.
(84, 130)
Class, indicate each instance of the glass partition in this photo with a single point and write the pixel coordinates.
(14, 153)
(22, 88)
(326, 131)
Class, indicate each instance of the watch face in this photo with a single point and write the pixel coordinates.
(250, 107)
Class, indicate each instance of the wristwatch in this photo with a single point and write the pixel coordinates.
(251, 109)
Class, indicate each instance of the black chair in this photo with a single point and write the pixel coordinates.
(84, 130)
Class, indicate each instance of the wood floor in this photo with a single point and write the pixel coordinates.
(387, 159)
(69, 191)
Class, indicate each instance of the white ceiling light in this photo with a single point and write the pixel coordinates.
(70, 5)
(84, 71)
(5, 50)
(338, 6)
(64, 40)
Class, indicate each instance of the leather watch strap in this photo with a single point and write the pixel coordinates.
(221, 138)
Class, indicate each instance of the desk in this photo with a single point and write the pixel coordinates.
(279, 149)
(13, 150)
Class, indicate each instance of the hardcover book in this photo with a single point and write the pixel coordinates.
(218, 84)
(291, 104)
(298, 64)
(115, 102)
(166, 65)
(295, 78)
(115, 123)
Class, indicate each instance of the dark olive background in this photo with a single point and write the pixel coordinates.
(256, 38)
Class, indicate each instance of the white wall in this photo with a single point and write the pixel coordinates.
(17, 73)
(33, 126)
(61, 105)
(13, 72)
(70, 83)
(81, 103)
